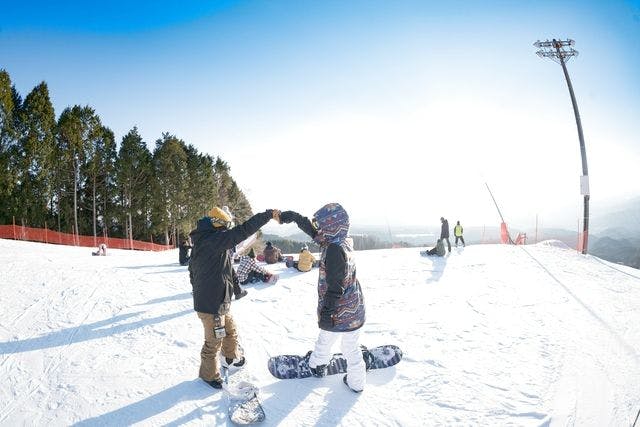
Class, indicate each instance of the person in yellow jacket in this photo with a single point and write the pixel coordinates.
(457, 231)
(306, 260)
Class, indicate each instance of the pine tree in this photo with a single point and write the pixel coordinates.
(8, 142)
(170, 171)
(78, 129)
(134, 182)
(35, 163)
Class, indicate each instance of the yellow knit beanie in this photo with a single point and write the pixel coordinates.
(219, 218)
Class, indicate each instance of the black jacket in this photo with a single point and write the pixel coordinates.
(183, 253)
(444, 232)
(210, 268)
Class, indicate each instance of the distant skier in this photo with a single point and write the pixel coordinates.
(457, 231)
(444, 232)
(341, 309)
(212, 278)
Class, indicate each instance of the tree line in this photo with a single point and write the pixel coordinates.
(68, 174)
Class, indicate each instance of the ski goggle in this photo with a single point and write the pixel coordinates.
(218, 222)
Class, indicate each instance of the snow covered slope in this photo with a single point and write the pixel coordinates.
(492, 335)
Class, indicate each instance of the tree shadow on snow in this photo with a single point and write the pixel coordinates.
(438, 264)
(153, 405)
(338, 402)
(186, 295)
(295, 391)
(85, 332)
(138, 267)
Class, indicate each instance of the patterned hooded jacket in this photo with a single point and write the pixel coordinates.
(339, 291)
(340, 300)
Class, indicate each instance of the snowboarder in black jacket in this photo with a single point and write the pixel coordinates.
(212, 278)
(444, 232)
(183, 252)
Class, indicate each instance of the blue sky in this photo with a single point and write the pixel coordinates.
(397, 109)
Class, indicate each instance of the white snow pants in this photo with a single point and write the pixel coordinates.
(356, 369)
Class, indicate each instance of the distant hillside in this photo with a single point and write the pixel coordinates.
(621, 251)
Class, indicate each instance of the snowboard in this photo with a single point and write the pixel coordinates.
(292, 366)
(244, 406)
(246, 243)
(288, 260)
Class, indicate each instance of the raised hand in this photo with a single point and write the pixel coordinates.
(288, 216)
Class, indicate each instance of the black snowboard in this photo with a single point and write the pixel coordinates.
(293, 366)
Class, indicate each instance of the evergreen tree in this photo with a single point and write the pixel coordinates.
(201, 187)
(170, 170)
(78, 129)
(134, 181)
(8, 142)
(238, 203)
(35, 162)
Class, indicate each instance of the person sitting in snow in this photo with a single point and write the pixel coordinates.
(212, 278)
(250, 272)
(340, 309)
(102, 250)
(272, 254)
(438, 249)
(306, 260)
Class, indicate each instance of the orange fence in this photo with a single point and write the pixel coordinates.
(18, 232)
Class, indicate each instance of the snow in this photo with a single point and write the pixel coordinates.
(491, 334)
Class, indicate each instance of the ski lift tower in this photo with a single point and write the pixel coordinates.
(561, 51)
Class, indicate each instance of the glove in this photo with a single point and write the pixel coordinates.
(288, 216)
(326, 321)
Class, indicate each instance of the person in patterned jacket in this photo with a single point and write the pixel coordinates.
(250, 272)
(341, 309)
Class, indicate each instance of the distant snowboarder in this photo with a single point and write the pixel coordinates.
(250, 272)
(183, 252)
(272, 254)
(457, 231)
(438, 249)
(341, 310)
(444, 232)
(102, 250)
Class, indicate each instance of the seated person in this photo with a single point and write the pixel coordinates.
(272, 254)
(250, 272)
(306, 260)
(102, 250)
(438, 249)
(183, 252)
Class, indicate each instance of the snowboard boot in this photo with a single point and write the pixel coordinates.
(367, 356)
(344, 380)
(233, 364)
(214, 383)
(319, 371)
(241, 294)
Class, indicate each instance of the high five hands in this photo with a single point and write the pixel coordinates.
(283, 217)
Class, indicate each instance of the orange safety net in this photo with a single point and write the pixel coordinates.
(18, 232)
(504, 234)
